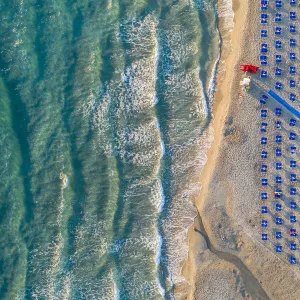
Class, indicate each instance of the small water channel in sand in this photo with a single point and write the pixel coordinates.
(252, 285)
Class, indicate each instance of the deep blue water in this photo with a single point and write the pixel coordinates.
(104, 124)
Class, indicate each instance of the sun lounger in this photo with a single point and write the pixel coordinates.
(278, 152)
(278, 180)
(293, 136)
(278, 111)
(278, 235)
(278, 72)
(293, 177)
(278, 166)
(293, 246)
(279, 221)
(293, 260)
(292, 122)
(264, 33)
(292, 28)
(292, 70)
(278, 31)
(278, 4)
(293, 164)
(278, 207)
(264, 154)
(278, 45)
(292, 42)
(264, 223)
(293, 149)
(278, 17)
(293, 97)
(264, 236)
(278, 85)
(293, 15)
(292, 83)
(293, 232)
(293, 191)
(278, 248)
(278, 124)
(278, 58)
(292, 56)
(292, 2)
(293, 205)
(264, 209)
(263, 113)
(263, 74)
(264, 141)
(264, 196)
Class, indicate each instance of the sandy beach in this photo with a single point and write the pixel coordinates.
(227, 259)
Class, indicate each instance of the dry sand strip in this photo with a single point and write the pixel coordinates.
(227, 259)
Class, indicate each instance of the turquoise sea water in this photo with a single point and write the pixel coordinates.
(104, 124)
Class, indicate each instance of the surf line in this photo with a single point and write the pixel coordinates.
(253, 287)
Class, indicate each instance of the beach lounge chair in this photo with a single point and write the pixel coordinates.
(264, 141)
(264, 181)
(264, 236)
(292, 83)
(264, 126)
(278, 235)
(264, 154)
(264, 48)
(292, 70)
(278, 180)
(278, 139)
(292, 42)
(264, 196)
(293, 246)
(293, 232)
(278, 152)
(293, 149)
(278, 44)
(293, 15)
(292, 28)
(263, 74)
(293, 177)
(278, 207)
(279, 221)
(293, 191)
(278, 31)
(264, 223)
(264, 6)
(293, 205)
(278, 248)
(264, 16)
(264, 21)
(263, 113)
(278, 58)
(278, 72)
(278, 124)
(278, 17)
(292, 2)
(292, 97)
(292, 122)
(278, 193)
(293, 164)
(293, 260)
(264, 33)
(278, 166)
(293, 136)
(278, 85)
(278, 111)
(264, 209)
(264, 169)
(292, 56)
(278, 4)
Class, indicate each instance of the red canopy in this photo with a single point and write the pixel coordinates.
(249, 68)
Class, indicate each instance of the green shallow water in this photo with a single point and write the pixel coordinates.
(114, 97)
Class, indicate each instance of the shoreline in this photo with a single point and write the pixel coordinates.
(222, 102)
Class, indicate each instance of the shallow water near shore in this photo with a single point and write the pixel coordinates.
(104, 129)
